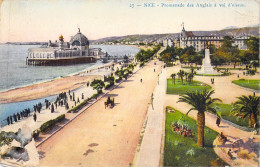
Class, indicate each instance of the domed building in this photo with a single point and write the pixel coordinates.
(79, 40)
(62, 53)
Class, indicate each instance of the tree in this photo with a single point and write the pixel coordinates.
(249, 106)
(190, 77)
(173, 78)
(188, 55)
(227, 42)
(235, 55)
(253, 47)
(200, 101)
(98, 85)
(186, 75)
(255, 64)
(181, 75)
(110, 80)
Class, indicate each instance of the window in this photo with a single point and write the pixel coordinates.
(75, 43)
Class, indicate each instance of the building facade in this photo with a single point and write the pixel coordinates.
(187, 38)
(62, 53)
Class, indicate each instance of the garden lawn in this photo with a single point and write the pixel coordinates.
(248, 83)
(225, 113)
(178, 88)
(183, 151)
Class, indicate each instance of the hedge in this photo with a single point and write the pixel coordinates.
(118, 80)
(108, 86)
(78, 107)
(45, 127)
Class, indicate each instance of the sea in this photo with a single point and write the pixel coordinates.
(14, 72)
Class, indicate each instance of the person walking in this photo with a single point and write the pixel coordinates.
(34, 117)
(141, 80)
(18, 116)
(11, 119)
(15, 118)
(218, 121)
(8, 120)
(21, 114)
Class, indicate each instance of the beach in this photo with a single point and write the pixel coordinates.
(55, 86)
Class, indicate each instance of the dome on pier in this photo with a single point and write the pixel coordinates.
(79, 40)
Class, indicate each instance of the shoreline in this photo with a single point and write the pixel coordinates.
(48, 80)
(60, 84)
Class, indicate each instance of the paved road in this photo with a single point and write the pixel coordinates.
(105, 137)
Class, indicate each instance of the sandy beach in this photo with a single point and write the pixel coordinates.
(55, 86)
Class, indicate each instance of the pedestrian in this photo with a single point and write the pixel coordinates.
(15, 118)
(230, 154)
(11, 119)
(21, 114)
(218, 121)
(29, 111)
(213, 80)
(237, 75)
(141, 80)
(34, 117)
(153, 70)
(8, 120)
(52, 108)
(18, 116)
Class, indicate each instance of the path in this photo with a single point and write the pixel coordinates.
(105, 137)
(150, 150)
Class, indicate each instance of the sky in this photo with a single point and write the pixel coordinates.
(43, 20)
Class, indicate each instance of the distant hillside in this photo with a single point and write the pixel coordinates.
(230, 31)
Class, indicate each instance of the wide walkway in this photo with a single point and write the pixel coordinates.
(105, 137)
(150, 150)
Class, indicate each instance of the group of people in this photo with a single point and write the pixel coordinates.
(62, 100)
(182, 130)
(18, 116)
(212, 80)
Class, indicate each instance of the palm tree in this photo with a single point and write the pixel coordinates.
(173, 78)
(249, 105)
(200, 101)
(181, 75)
(186, 75)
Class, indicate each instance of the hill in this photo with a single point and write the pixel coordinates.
(229, 31)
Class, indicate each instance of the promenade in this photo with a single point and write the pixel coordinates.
(150, 150)
(105, 137)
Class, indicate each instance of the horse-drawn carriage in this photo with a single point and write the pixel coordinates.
(110, 102)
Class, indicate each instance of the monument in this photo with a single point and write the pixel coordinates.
(206, 67)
